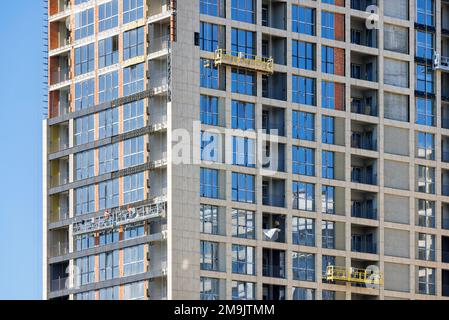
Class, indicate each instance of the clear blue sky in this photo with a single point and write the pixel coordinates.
(21, 104)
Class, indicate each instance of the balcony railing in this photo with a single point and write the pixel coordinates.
(363, 178)
(59, 215)
(243, 60)
(364, 246)
(59, 249)
(273, 271)
(60, 284)
(367, 213)
(363, 109)
(62, 75)
(365, 142)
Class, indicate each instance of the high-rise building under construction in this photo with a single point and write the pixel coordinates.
(247, 149)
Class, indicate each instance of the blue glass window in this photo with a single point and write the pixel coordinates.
(327, 162)
(328, 129)
(84, 59)
(212, 8)
(424, 78)
(327, 25)
(209, 110)
(303, 125)
(425, 12)
(243, 152)
(210, 75)
(303, 20)
(303, 55)
(244, 82)
(84, 94)
(327, 60)
(303, 196)
(303, 90)
(424, 44)
(303, 161)
(425, 111)
(243, 115)
(243, 188)
(211, 36)
(209, 183)
(243, 41)
(243, 10)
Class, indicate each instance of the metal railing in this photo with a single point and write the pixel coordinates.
(60, 284)
(364, 246)
(59, 215)
(364, 178)
(365, 142)
(62, 75)
(363, 109)
(59, 249)
(367, 213)
(158, 80)
(273, 271)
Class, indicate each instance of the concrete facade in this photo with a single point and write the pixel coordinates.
(167, 260)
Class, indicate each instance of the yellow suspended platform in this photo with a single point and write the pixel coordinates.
(243, 60)
(354, 275)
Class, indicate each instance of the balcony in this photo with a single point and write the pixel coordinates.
(59, 9)
(274, 14)
(363, 170)
(59, 249)
(273, 263)
(273, 192)
(273, 227)
(245, 61)
(158, 46)
(60, 76)
(363, 66)
(60, 284)
(364, 101)
(364, 211)
(363, 136)
(362, 36)
(363, 244)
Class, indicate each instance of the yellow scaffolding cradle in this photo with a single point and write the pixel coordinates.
(353, 275)
(243, 60)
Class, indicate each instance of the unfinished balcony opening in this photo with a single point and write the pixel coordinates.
(59, 67)
(445, 249)
(59, 172)
(273, 292)
(445, 282)
(445, 87)
(363, 135)
(364, 101)
(275, 48)
(58, 6)
(59, 207)
(159, 10)
(273, 263)
(275, 86)
(59, 137)
(273, 192)
(61, 35)
(158, 74)
(361, 35)
(58, 242)
(273, 227)
(364, 239)
(363, 204)
(445, 216)
(158, 40)
(274, 14)
(364, 66)
(445, 115)
(363, 170)
(273, 120)
(158, 112)
(59, 102)
(273, 155)
(59, 276)
(445, 182)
